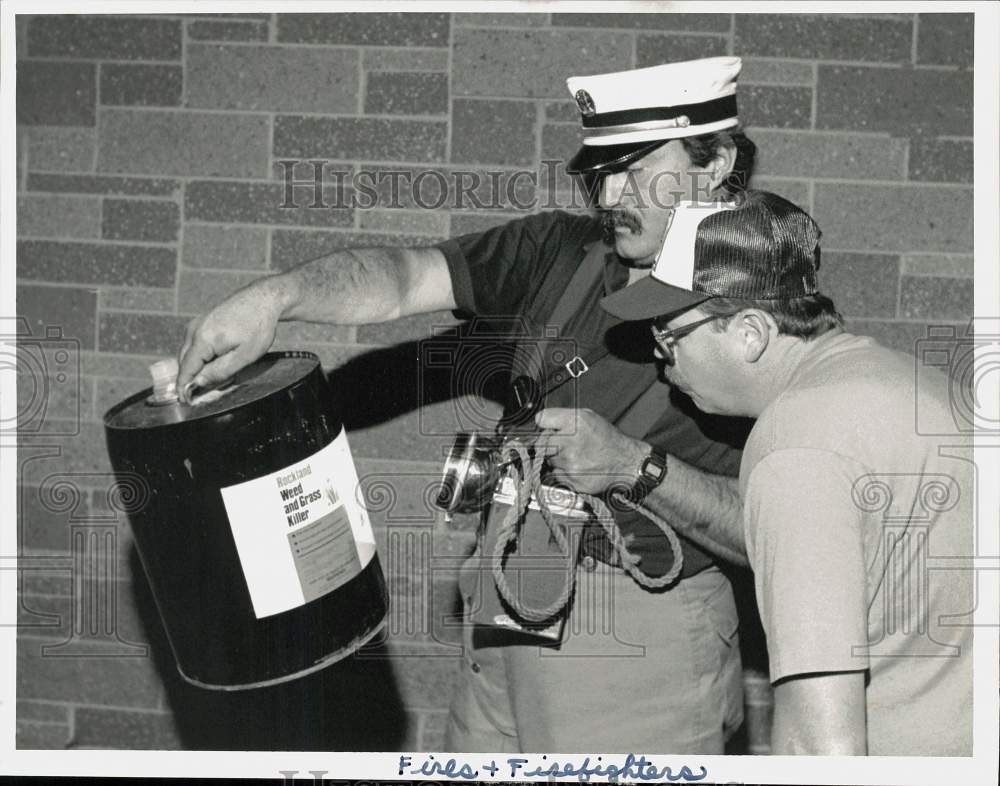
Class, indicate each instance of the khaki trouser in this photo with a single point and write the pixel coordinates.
(636, 672)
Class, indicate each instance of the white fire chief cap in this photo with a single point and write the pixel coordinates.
(626, 114)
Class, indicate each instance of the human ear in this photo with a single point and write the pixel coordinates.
(722, 165)
(755, 332)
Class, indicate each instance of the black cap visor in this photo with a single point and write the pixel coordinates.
(649, 298)
(597, 158)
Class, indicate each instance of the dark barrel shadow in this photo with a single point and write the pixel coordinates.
(388, 382)
(352, 705)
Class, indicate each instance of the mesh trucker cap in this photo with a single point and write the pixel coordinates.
(761, 247)
(626, 114)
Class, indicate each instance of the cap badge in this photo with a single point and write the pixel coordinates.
(585, 103)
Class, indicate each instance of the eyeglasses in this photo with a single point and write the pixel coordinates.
(666, 339)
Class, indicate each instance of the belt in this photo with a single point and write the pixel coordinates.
(595, 547)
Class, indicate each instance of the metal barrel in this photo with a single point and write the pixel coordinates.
(250, 525)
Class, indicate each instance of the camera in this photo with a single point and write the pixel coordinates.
(48, 379)
(470, 475)
(473, 467)
(534, 577)
(968, 361)
(535, 584)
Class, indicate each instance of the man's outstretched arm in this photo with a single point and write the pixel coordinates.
(348, 287)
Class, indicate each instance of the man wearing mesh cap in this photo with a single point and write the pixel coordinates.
(664, 672)
(844, 502)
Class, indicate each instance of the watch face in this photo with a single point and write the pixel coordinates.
(654, 468)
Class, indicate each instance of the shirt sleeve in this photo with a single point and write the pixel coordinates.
(496, 272)
(805, 542)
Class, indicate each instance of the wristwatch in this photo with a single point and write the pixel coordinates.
(652, 471)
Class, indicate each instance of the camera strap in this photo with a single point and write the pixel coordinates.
(531, 386)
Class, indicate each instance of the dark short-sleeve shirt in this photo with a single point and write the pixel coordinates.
(521, 269)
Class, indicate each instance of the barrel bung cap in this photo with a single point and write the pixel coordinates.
(164, 373)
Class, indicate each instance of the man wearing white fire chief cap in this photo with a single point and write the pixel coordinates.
(662, 673)
(629, 113)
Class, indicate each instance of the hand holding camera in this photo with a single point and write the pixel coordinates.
(586, 452)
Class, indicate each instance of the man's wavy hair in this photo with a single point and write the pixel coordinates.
(703, 148)
(803, 317)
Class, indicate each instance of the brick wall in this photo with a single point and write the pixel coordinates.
(148, 188)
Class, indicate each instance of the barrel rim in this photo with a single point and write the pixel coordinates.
(328, 660)
(145, 393)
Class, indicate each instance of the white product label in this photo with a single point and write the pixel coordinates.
(300, 532)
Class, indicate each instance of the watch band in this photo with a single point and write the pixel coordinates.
(652, 471)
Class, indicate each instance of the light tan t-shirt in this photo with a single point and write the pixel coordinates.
(858, 509)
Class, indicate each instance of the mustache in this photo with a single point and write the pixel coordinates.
(610, 219)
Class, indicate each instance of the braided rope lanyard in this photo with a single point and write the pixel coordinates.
(529, 484)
